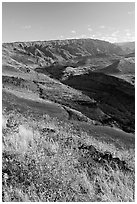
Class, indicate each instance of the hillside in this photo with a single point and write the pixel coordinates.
(123, 68)
(29, 66)
(50, 52)
(68, 122)
(59, 54)
(110, 94)
(128, 47)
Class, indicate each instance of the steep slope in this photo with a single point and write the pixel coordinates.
(123, 68)
(115, 96)
(63, 141)
(36, 89)
(29, 67)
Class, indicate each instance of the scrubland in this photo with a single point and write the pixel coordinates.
(46, 159)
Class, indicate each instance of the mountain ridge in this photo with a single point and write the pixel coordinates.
(60, 60)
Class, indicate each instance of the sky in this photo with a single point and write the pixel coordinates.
(30, 21)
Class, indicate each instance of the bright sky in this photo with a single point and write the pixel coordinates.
(114, 22)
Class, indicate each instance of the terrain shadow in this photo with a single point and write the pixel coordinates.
(114, 96)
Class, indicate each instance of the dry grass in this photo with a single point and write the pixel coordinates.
(41, 162)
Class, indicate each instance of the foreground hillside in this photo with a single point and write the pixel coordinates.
(68, 122)
(45, 159)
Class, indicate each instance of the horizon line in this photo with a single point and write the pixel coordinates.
(64, 40)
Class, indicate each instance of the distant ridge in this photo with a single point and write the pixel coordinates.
(128, 47)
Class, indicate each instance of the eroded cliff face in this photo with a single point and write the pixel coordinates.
(51, 52)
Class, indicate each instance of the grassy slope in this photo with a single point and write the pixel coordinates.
(107, 134)
(41, 156)
(25, 102)
(49, 89)
(52, 159)
(43, 161)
